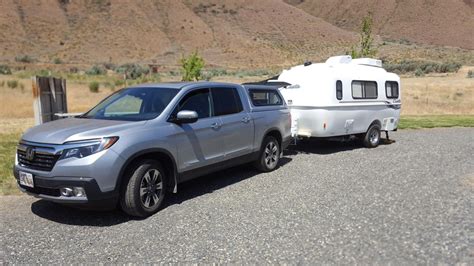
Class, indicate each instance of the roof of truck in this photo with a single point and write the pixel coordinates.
(180, 85)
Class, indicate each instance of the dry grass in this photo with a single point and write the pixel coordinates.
(438, 94)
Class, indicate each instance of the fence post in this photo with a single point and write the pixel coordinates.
(49, 98)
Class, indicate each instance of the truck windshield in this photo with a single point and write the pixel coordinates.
(133, 104)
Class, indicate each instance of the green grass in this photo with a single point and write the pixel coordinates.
(431, 121)
(8, 144)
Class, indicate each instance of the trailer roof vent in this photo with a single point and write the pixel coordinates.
(367, 62)
(307, 63)
(342, 59)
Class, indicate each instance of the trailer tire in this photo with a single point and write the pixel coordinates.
(372, 137)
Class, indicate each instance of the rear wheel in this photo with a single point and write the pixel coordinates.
(145, 191)
(372, 137)
(269, 155)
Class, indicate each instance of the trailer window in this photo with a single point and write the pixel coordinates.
(391, 89)
(262, 97)
(364, 90)
(339, 90)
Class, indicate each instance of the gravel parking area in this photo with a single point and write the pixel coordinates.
(410, 201)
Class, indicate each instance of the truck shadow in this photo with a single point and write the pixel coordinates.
(186, 191)
(324, 147)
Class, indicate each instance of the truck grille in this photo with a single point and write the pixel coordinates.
(40, 161)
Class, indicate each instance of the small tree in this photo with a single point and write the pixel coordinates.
(192, 66)
(366, 40)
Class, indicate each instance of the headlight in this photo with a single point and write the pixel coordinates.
(81, 149)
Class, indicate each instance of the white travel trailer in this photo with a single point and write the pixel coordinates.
(342, 97)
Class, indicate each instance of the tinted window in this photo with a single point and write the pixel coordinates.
(339, 90)
(133, 104)
(262, 97)
(226, 101)
(198, 101)
(391, 89)
(364, 90)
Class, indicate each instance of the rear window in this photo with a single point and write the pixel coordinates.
(262, 97)
(226, 101)
(391, 89)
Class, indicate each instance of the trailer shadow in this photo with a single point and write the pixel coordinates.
(324, 147)
(187, 191)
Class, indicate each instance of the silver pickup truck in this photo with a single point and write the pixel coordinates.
(142, 141)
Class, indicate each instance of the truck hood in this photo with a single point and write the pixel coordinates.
(71, 129)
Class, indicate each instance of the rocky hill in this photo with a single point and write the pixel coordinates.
(228, 33)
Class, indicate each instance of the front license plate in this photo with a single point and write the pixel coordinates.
(26, 179)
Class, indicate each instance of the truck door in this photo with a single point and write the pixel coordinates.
(200, 143)
(237, 125)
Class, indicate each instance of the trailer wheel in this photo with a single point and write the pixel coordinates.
(372, 137)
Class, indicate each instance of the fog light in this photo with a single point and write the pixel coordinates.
(66, 192)
(79, 192)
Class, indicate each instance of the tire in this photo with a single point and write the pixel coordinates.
(372, 137)
(269, 156)
(145, 190)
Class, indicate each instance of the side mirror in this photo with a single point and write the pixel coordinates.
(186, 117)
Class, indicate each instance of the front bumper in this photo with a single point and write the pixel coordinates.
(48, 188)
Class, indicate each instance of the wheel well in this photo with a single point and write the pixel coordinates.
(276, 134)
(375, 122)
(165, 160)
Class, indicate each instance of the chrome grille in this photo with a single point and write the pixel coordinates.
(39, 161)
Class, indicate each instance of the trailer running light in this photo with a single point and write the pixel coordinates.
(324, 126)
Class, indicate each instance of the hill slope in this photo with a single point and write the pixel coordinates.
(237, 32)
(227, 33)
(437, 22)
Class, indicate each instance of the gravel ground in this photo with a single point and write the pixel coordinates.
(410, 201)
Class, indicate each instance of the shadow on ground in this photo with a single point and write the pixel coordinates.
(187, 191)
(324, 147)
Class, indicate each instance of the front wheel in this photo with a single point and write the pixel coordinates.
(145, 191)
(372, 137)
(269, 155)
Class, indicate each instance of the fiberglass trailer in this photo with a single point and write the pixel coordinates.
(342, 97)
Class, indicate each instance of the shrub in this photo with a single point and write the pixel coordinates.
(94, 87)
(73, 70)
(109, 66)
(5, 70)
(96, 70)
(419, 72)
(57, 61)
(24, 59)
(12, 84)
(119, 82)
(192, 66)
(411, 66)
(2, 83)
(470, 74)
(132, 71)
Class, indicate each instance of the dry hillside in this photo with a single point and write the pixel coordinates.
(437, 22)
(253, 33)
(229, 33)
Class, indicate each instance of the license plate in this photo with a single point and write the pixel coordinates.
(26, 179)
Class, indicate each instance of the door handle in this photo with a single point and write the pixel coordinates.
(215, 125)
(246, 119)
